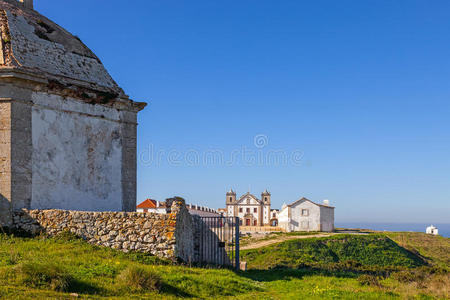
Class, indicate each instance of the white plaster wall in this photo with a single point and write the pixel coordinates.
(305, 223)
(266, 214)
(272, 212)
(283, 219)
(244, 211)
(327, 218)
(230, 211)
(161, 211)
(77, 155)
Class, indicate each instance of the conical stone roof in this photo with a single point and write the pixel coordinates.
(30, 42)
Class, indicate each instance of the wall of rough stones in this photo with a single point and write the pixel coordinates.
(169, 236)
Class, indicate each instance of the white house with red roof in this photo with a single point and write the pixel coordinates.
(152, 206)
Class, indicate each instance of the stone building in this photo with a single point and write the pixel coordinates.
(250, 210)
(67, 130)
(305, 215)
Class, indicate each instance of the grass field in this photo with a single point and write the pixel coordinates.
(365, 250)
(249, 239)
(338, 267)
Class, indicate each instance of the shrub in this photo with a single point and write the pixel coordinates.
(139, 279)
(41, 275)
(369, 280)
(408, 276)
(66, 236)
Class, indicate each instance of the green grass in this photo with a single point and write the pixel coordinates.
(249, 239)
(43, 268)
(434, 249)
(366, 250)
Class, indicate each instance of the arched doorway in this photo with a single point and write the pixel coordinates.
(250, 220)
(274, 222)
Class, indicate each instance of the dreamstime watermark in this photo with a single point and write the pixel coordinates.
(257, 155)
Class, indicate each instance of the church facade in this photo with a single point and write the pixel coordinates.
(251, 210)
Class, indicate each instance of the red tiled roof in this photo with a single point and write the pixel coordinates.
(149, 203)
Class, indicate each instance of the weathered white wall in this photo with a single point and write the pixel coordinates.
(327, 218)
(230, 211)
(161, 211)
(305, 223)
(77, 155)
(283, 218)
(266, 216)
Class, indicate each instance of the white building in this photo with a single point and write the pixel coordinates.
(432, 230)
(152, 206)
(274, 217)
(305, 215)
(250, 210)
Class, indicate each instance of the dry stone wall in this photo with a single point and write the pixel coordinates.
(170, 236)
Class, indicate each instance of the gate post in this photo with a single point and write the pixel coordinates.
(236, 220)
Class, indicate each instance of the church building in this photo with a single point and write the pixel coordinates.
(250, 210)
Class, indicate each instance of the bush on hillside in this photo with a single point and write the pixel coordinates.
(346, 252)
(139, 279)
(369, 280)
(409, 276)
(44, 275)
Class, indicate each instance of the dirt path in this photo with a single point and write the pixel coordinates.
(259, 244)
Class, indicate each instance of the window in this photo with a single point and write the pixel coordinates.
(274, 215)
(255, 223)
(240, 209)
(231, 199)
(240, 222)
(305, 212)
(248, 209)
(255, 210)
(265, 199)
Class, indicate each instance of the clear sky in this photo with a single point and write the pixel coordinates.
(352, 96)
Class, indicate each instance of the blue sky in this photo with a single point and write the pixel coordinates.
(353, 94)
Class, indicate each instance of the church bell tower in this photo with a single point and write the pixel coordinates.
(265, 197)
(231, 197)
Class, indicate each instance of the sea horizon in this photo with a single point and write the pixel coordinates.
(444, 228)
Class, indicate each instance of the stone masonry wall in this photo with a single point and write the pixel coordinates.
(169, 236)
(5, 163)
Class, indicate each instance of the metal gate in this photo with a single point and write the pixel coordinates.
(219, 241)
